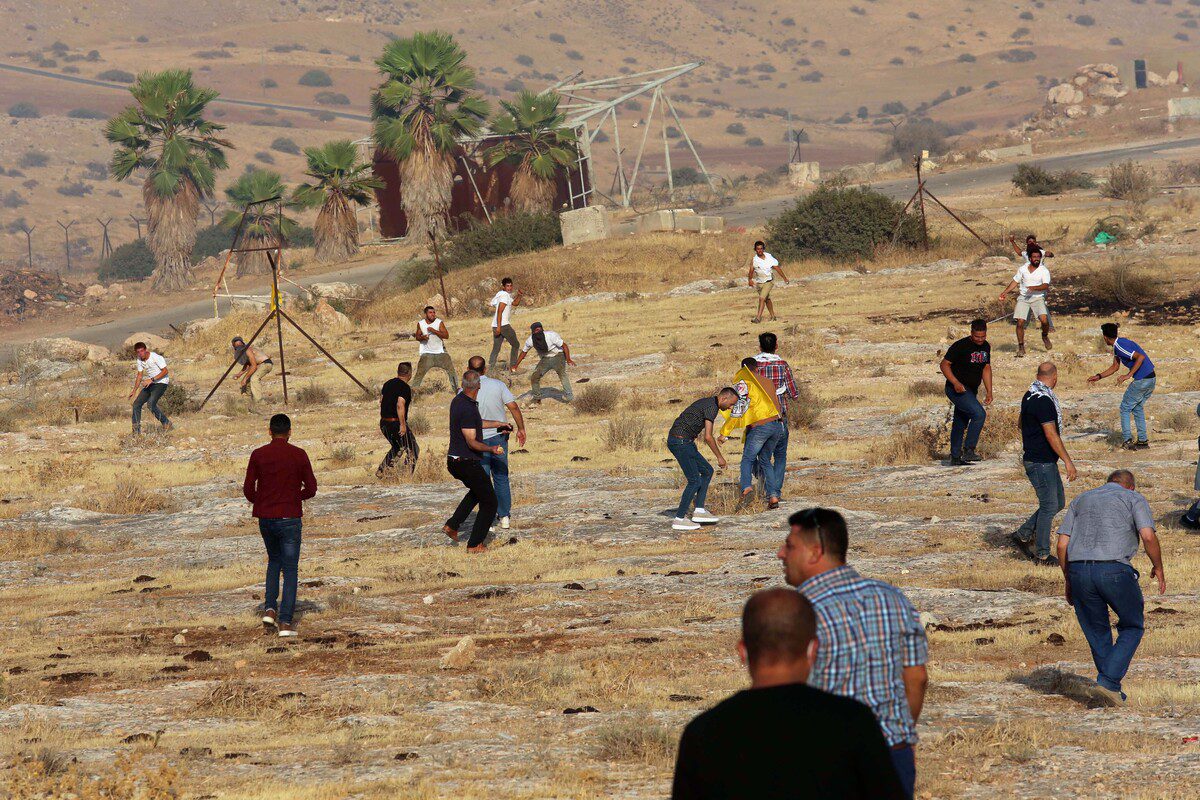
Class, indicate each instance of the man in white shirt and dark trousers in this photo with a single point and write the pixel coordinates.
(432, 334)
(762, 275)
(554, 354)
(495, 400)
(150, 381)
(1031, 283)
(502, 331)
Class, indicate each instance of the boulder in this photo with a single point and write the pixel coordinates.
(1062, 94)
(1099, 110)
(1107, 70)
(461, 655)
(1172, 77)
(95, 292)
(152, 340)
(43, 369)
(336, 290)
(30, 294)
(1154, 79)
(1109, 91)
(1075, 112)
(247, 304)
(329, 316)
(585, 224)
(115, 290)
(1080, 80)
(56, 349)
(200, 325)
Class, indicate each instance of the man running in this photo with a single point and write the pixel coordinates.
(1041, 437)
(432, 334)
(1129, 354)
(502, 331)
(967, 363)
(150, 381)
(255, 366)
(395, 400)
(553, 354)
(762, 276)
(1031, 282)
(694, 420)
(463, 462)
(495, 401)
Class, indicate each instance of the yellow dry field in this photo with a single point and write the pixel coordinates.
(130, 569)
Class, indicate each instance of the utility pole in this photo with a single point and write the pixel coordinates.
(28, 231)
(67, 234)
(106, 243)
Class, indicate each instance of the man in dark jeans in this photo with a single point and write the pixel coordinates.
(967, 363)
(279, 478)
(1041, 435)
(395, 399)
(1097, 541)
(150, 381)
(463, 462)
(832, 746)
(694, 420)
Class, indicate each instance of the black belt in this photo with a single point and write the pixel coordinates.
(1094, 561)
(1146, 378)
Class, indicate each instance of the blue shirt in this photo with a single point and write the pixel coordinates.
(1124, 350)
(868, 633)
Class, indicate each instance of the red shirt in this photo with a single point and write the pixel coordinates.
(278, 477)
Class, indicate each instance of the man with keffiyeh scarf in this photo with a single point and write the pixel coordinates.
(1041, 435)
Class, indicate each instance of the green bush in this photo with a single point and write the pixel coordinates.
(331, 99)
(840, 222)
(285, 145)
(175, 400)
(210, 241)
(686, 176)
(1128, 181)
(917, 135)
(129, 262)
(117, 76)
(508, 234)
(32, 158)
(736, 128)
(316, 77)
(24, 111)
(1033, 181)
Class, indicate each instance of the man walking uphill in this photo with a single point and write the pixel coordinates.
(1041, 437)
(694, 420)
(150, 381)
(502, 331)
(394, 402)
(1097, 541)
(967, 363)
(553, 354)
(463, 462)
(1129, 354)
(432, 334)
(279, 478)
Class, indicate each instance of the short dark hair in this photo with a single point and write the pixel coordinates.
(749, 363)
(1031, 236)
(1033, 248)
(760, 243)
(829, 527)
(777, 625)
(729, 390)
(505, 280)
(404, 368)
(428, 308)
(1110, 329)
(476, 363)
(768, 342)
(1122, 476)
(281, 424)
(138, 345)
(979, 325)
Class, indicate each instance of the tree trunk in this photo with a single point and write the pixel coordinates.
(530, 193)
(254, 263)
(426, 180)
(336, 230)
(171, 235)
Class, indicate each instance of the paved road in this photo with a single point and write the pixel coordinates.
(965, 180)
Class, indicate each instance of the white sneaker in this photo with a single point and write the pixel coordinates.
(286, 631)
(681, 524)
(505, 522)
(703, 515)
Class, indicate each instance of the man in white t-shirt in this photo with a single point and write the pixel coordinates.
(1031, 283)
(432, 334)
(495, 401)
(502, 331)
(762, 275)
(554, 354)
(150, 380)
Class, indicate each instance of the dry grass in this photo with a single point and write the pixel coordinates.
(804, 410)
(644, 741)
(1127, 284)
(912, 445)
(629, 434)
(20, 543)
(597, 398)
(130, 496)
(926, 388)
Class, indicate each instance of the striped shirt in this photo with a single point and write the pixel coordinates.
(868, 633)
(1125, 349)
(779, 373)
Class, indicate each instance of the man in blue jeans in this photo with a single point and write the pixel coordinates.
(150, 382)
(1041, 436)
(279, 478)
(967, 363)
(773, 459)
(1097, 541)
(1129, 354)
(495, 400)
(694, 420)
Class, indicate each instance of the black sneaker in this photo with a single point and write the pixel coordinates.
(1141, 444)
(955, 461)
(1129, 444)
(1189, 523)
(1048, 561)
(971, 457)
(1024, 545)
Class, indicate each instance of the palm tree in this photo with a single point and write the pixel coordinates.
(536, 143)
(165, 134)
(264, 223)
(339, 182)
(422, 109)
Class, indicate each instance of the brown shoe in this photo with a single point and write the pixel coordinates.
(1046, 342)
(453, 534)
(270, 618)
(287, 631)
(773, 503)
(479, 548)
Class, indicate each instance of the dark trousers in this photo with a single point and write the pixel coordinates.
(479, 493)
(1096, 587)
(905, 762)
(406, 444)
(696, 469)
(969, 416)
(1047, 483)
(507, 334)
(149, 395)
(282, 539)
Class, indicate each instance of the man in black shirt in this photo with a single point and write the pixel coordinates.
(1041, 437)
(968, 362)
(463, 462)
(780, 739)
(394, 402)
(681, 441)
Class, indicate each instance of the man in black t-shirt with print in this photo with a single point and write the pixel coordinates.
(967, 363)
(464, 463)
(395, 399)
(1041, 438)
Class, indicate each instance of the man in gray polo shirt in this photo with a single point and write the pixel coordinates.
(1097, 541)
(494, 398)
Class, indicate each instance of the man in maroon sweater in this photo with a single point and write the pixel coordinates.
(279, 478)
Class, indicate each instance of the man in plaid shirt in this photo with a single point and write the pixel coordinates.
(872, 645)
(773, 460)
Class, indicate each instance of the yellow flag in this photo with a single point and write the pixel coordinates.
(756, 402)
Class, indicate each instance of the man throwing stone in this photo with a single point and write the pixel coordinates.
(553, 354)
(255, 367)
(1031, 283)
(502, 331)
(1041, 436)
(694, 420)
(432, 334)
(495, 400)
(967, 363)
(150, 381)
(763, 267)
(1129, 354)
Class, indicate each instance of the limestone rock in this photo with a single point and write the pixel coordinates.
(1075, 112)
(56, 349)
(329, 316)
(1109, 91)
(97, 353)
(179, 639)
(1080, 80)
(152, 340)
(1154, 79)
(336, 290)
(1062, 94)
(1107, 70)
(95, 292)
(197, 326)
(43, 369)
(461, 655)
(30, 294)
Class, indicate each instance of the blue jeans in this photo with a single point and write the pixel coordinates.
(149, 395)
(1049, 487)
(282, 538)
(1134, 402)
(1095, 588)
(969, 416)
(761, 446)
(905, 762)
(496, 466)
(696, 469)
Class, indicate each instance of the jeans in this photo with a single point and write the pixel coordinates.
(406, 444)
(479, 493)
(507, 334)
(1134, 402)
(151, 394)
(430, 361)
(905, 762)
(556, 363)
(282, 539)
(1095, 588)
(765, 443)
(696, 469)
(496, 467)
(969, 416)
(1049, 487)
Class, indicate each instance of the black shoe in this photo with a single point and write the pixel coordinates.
(971, 457)
(955, 461)
(1189, 523)
(1024, 545)
(1048, 561)
(1129, 444)
(1141, 444)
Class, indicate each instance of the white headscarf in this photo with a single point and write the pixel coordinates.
(1039, 389)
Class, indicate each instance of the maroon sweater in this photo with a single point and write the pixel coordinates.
(278, 477)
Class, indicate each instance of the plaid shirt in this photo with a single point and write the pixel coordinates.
(780, 374)
(868, 632)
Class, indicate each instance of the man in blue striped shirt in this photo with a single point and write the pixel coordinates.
(1129, 354)
(873, 646)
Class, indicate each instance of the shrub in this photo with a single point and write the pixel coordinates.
(840, 222)
(1128, 285)
(686, 176)
(268, 83)
(330, 99)
(736, 129)
(1033, 181)
(1017, 56)
(812, 77)
(925, 388)
(628, 433)
(117, 76)
(130, 261)
(32, 158)
(754, 141)
(316, 77)
(175, 400)
(1086, 20)
(285, 145)
(312, 395)
(1184, 172)
(210, 241)
(508, 234)
(13, 200)
(646, 742)
(76, 189)
(894, 107)
(862, 113)
(557, 38)
(86, 113)
(1128, 181)
(264, 157)
(919, 134)
(597, 398)
(574, 55)
(24, 111)
(524, 60)
(804, 410)
(95, 171)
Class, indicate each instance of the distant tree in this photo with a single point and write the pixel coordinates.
(537, 143)
(840, 222)
(338, 181)
(557, 38)
(966, 58)
(686, 176)
(524, 61)
(331, 99)
(754, 141)
(316, 77)
(893, 108)
(268, 83)
(736, 129)
(24, 110)
(263, 226)
(117, 76)
(1086, 20)
(916, 135)
(285, 145)
(863, 112)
